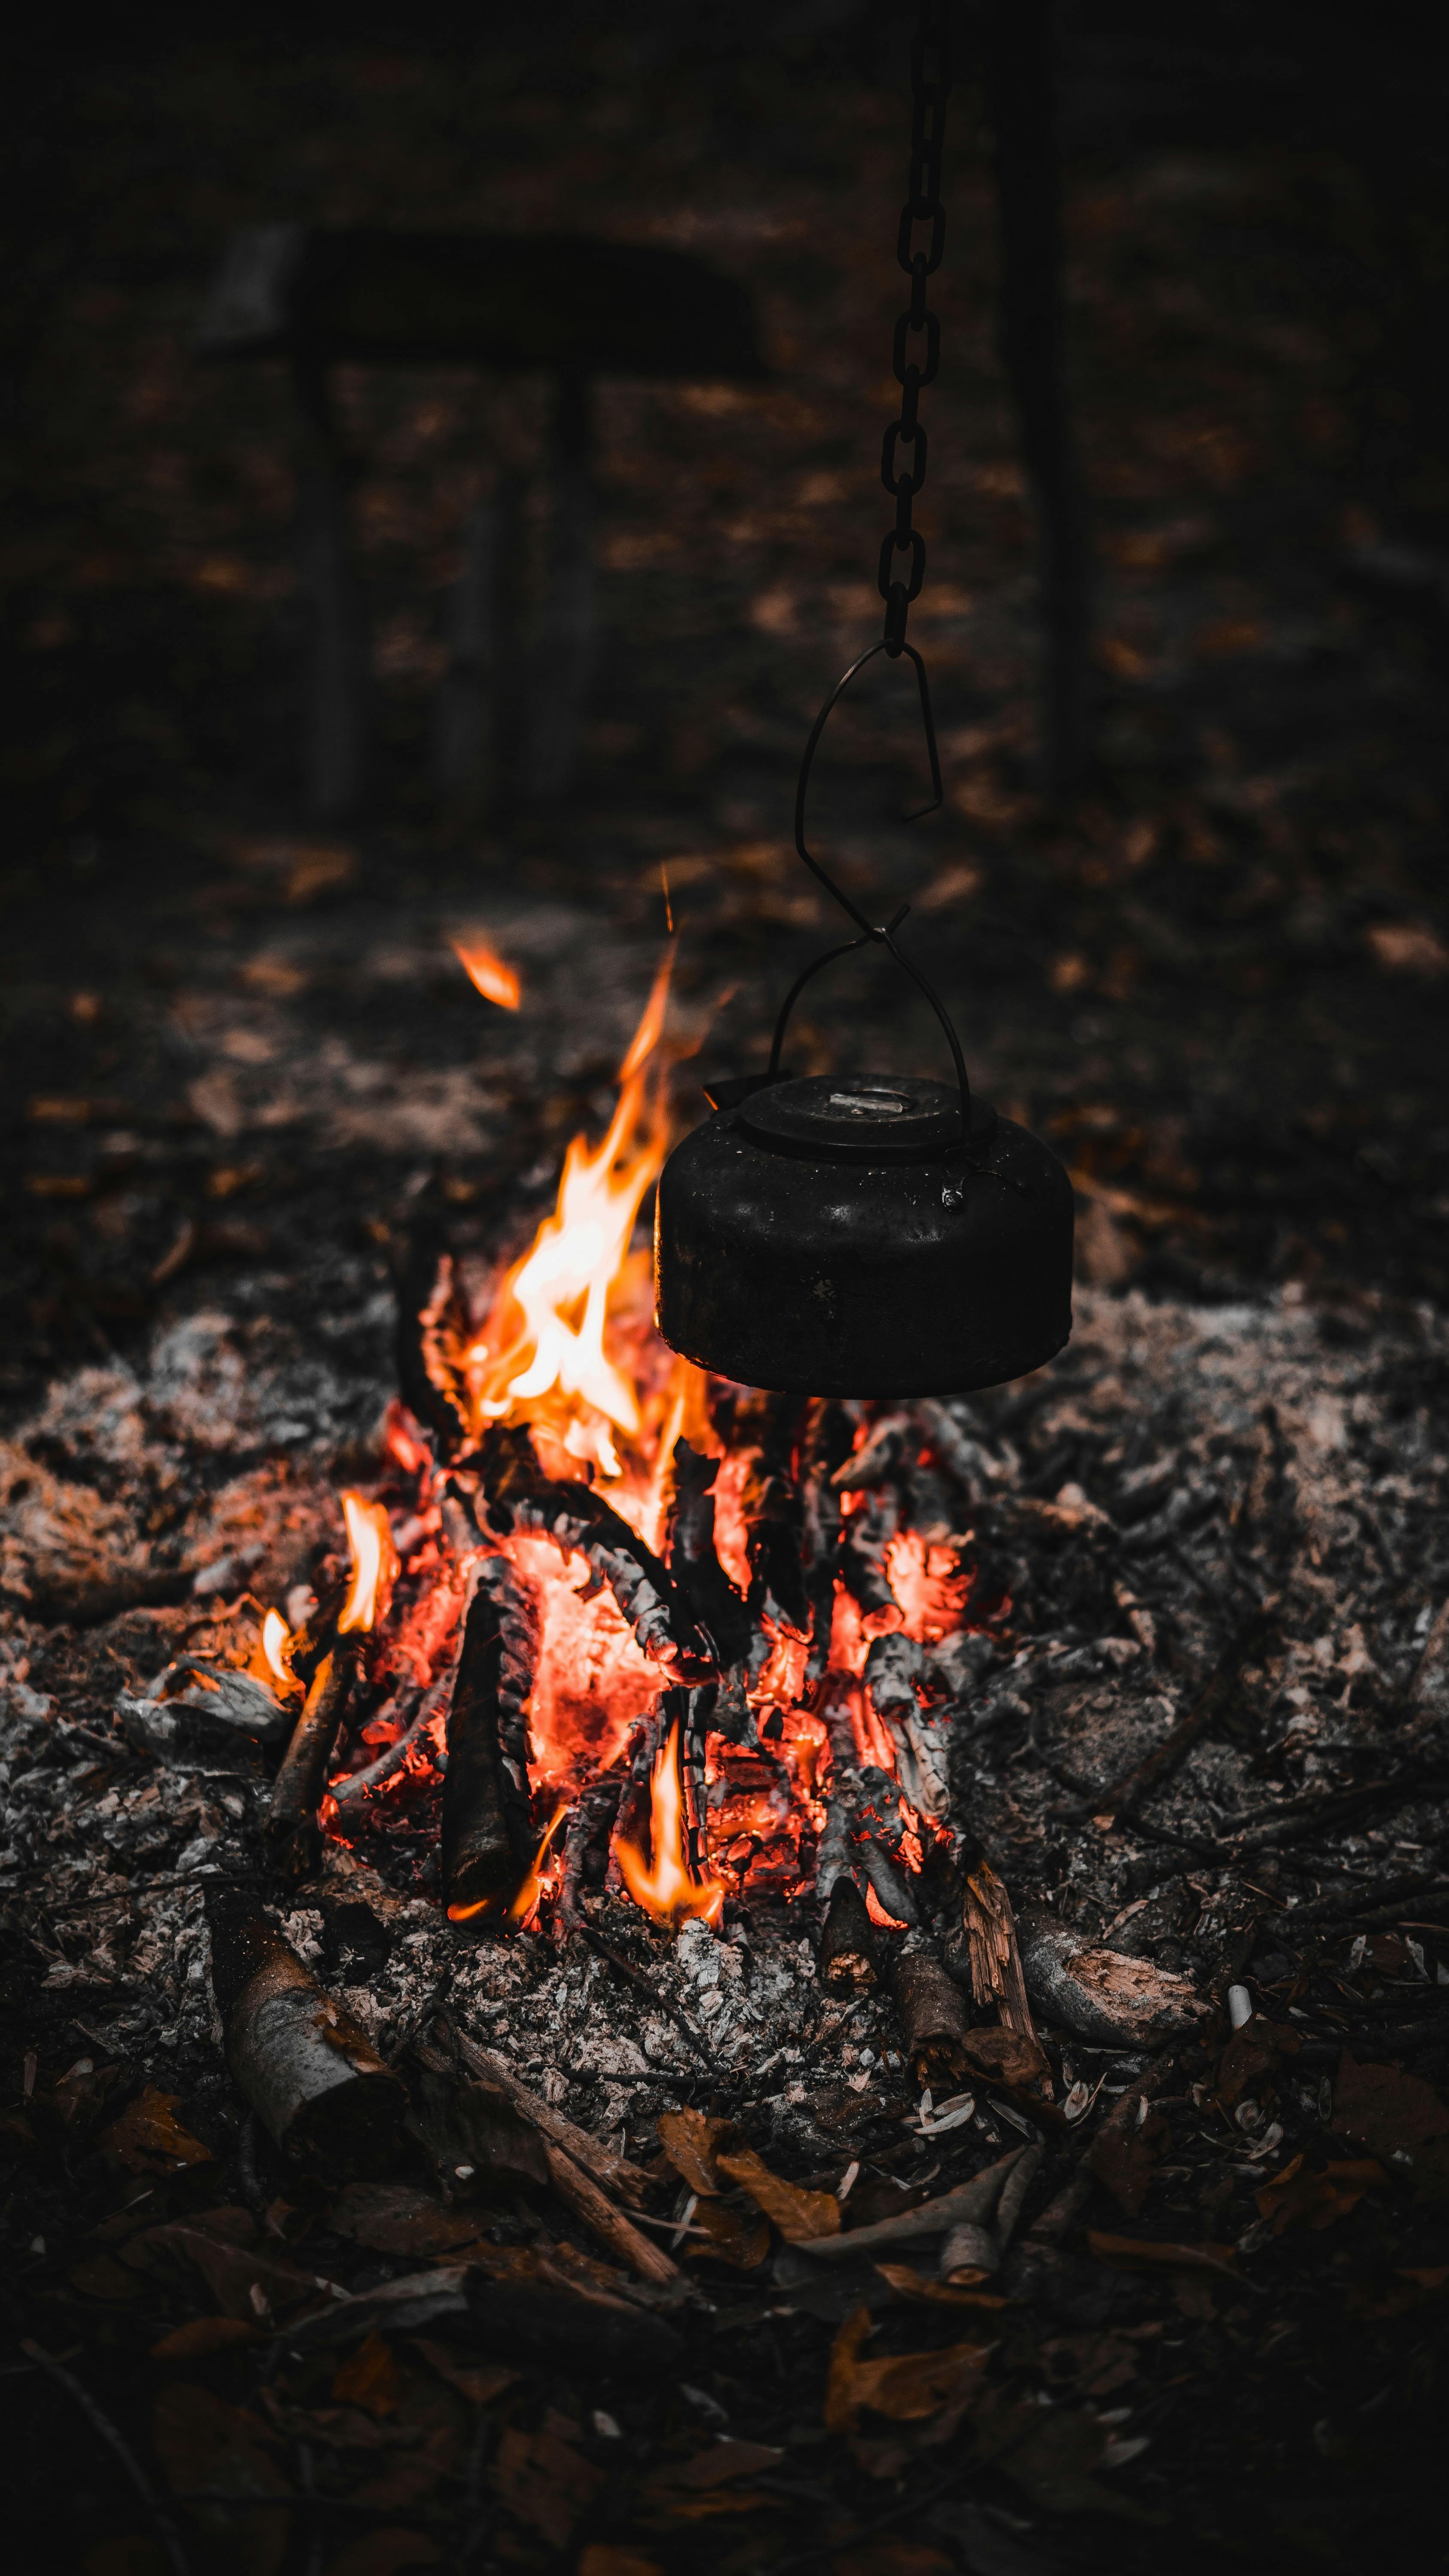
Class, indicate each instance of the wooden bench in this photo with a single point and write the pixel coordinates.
(574, 310)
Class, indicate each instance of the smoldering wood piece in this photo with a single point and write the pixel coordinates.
(566, 644)
(337, 656)
(587, 1837)
(867, 1534)
(695, 1710)
(518, 1495)
(487, 1841)
(307, 2068)
(825, 1442)
(1019, 48)
(847, 1954)
(957, 1450)
(765, 1426)
(692, 1557)
(892, 1668)
(932, 2013)
(424, 1285)
(631, 1820)
(317, 1635)
(292, 1827)
(476, 714)
(875, 1462)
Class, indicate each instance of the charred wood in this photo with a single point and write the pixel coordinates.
(616, 2173)
(690, 1548)
(487, 1840)
(847, 1955)
(765, 1426)
(292, 1826)
(307, 2068)
(520, 1496)
(933, 2016)
(424, 1283)
(586, 1848)
(868, 1533)
(624, 2241)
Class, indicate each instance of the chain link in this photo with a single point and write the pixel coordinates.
(930, 88)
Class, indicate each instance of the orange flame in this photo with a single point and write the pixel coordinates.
(374, 1562)
(490, 974)
(276, 1638)
(544, 1337)
(664, 1887)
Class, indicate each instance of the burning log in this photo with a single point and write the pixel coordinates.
(487, 1836)
(862, 1560)
(308, 2069)
(520, 1496)
(586, 1848)
(772, 1510)
(693, 1561)
(825, 1445)
(292, 1826)
(892, 1668)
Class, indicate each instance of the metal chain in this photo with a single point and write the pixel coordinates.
(930, 88)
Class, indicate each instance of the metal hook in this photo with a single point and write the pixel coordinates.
(878, 935)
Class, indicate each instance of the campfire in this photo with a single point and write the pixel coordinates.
(612, 1628)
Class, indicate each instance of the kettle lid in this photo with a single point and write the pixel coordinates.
(871, 1118)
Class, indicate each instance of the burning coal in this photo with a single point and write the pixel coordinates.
(644, 1629)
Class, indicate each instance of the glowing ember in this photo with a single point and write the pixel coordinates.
(490, 973)
(276, 1638)
(374, 1562)
(664, 1886)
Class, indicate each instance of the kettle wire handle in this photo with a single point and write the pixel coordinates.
(881, 935)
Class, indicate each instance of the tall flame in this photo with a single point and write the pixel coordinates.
(374, 1562)
(545, 1334)
(664, 1886)
(490, 974)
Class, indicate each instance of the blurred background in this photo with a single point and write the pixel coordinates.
(1213, 967)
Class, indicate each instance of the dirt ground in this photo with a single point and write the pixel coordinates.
(241, 1059)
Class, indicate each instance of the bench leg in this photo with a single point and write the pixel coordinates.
(563, 662)
(336, 647)
(1022, 106)
(476, 705)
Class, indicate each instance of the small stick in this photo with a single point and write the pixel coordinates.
(609, 2224)
(166, 2531)
(974, 2200)
(847, 1943)
(298, 1787)
(996, 1971)
(616, 2172)
(932, 2013)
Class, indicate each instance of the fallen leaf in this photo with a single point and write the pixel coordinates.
(479, 2382)
(690, 2141)
(368, 2377)
(1254, 2050)
(905, 2386)
(544, 2480)
(892, 2558)
(908, 2283)
(718, 2463)
(1408, 948)
(1153, 2253)
(801, 2216)
(1320, 2198)
(733, 2238)
(203, 2442)
(238, 2276)
(149, 2138)
(1407, 2288)
(397, 2218)
(1125, 2159)
(100, 2276)
(382, 2553)
(1052, 2455)
(1385, 2110)
(202, 2336)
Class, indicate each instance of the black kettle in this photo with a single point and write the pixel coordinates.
(883, 1236)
